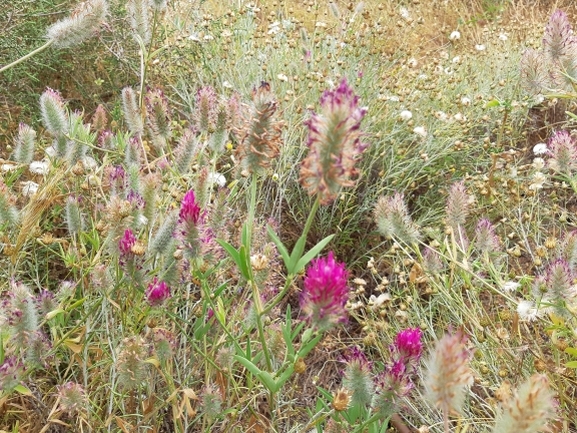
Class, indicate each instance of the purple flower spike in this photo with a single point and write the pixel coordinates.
(334, 144)
(157, 292)
(325, 292)
(127, 242)
(189, 209)
(408, 345)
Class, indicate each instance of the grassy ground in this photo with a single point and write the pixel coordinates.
(87, 345)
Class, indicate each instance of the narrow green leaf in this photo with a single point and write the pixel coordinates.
(492, 103)
(232, 252)
(313, 252)
(244, 263)
(571, 351)
(296, 254)
(23, 390)
(571, 364)
(279, 245)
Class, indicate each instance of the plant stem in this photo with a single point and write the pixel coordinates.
(27, 56)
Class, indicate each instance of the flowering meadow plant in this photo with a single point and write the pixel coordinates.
(288, 217)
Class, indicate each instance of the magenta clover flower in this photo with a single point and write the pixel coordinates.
(408, 347)
(325, 292)
(126, 243)
(189, 209)
(157, 292)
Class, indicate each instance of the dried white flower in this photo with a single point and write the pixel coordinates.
(421, 131)
(527, 311)
(406, 115)
(455, 35)
(29, 188)
(540, 149)
(39, 167)
(510, 286)
(480, 47)
(465, 101)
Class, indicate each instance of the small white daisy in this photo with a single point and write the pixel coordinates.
(540, 149)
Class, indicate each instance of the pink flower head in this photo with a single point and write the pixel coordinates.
(325, 292)
(334, 144)
(189, 209)
(563, 151)
(157, 292)
(408, 346)
(126, 243)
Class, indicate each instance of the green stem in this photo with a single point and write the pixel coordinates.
(368, 422)
(311, 216)
(319, 416)
(27, 56)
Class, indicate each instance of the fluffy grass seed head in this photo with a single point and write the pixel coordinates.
(259, 136)
(529, 409)
(72, 397)
(24, 144)
(358, 377)
(206, 105)
(457, 208)
(21, 310)
(325, 292)
(74, 220)
(211, 401)
(158, 117)
(563, 150)
(139, 21)
(486, 240)
(393, 220)
(189, 146)
(558, 39)
(84, 21)
(131, 111)
(130, 363)
(447, 373)
(334, 144)
(558, 283)
(535, 76)
(54, 116)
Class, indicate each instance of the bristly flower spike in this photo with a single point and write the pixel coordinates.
(529, 409)
(25, 142)
(158, 117)
(325, 292)
(563, 150)
(334, 144)
(54, 116)
(259, 137)
(84, 21)
(393, 220)
(131, 111)
(448, 374)
(138, 14)
(358, 377)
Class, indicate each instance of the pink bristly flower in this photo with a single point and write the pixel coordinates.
(334, 144)
(408, 347)
(189, 209)
(325, 292)
(563, 150)
(391, 386)
(126, 243)
(358, 377)
(448, 373)
(157, 292)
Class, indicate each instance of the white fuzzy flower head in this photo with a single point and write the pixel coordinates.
(510, 286)
(406, 115)
(538, 163)
(29, 188)
(455, 35)
(538, 181)
(503, 37)
(421, 131)
(527, 311)
(282, 77)
(217, 179)
(480, 47)
(39, 167)
(540, 149)
(465, 101)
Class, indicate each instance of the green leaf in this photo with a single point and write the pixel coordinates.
(296, 254)
(23, 390)
(265, 378)
(571, 351)
(244, 263)
(232, 252)
(279, 245)
(571, 364)
(313, 252)
(492, 103)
